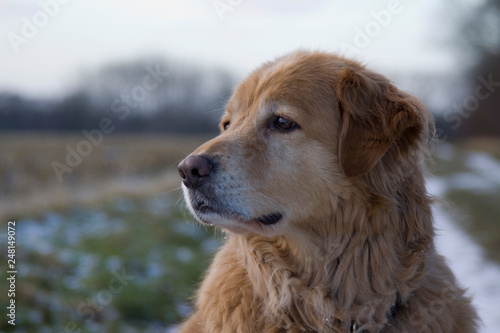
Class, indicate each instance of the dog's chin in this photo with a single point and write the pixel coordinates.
(236, 223)
(234, 220)
(221, 221)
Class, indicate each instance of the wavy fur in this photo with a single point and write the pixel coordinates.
(355, 251)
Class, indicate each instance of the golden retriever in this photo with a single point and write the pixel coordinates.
(317, 179)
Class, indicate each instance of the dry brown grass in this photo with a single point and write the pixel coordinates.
(486, 144)
(121, 164)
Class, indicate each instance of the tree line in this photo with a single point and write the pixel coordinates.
(160, 96)
(148, 95)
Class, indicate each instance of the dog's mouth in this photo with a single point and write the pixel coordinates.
(270, 219)
(202, 207)
(204, 211)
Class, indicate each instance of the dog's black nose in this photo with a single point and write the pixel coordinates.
(194, 170)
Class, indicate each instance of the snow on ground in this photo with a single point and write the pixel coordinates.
(466, 258)
(485, 164)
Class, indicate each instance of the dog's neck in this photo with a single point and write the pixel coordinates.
(351, 274)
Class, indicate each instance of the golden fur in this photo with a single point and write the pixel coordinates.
(354, 250)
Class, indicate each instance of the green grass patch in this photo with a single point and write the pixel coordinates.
(479, 214)
(473, 190)
(126, 265)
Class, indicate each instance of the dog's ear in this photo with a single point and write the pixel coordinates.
(375, 115)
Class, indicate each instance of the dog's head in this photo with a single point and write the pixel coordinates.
(299, 134)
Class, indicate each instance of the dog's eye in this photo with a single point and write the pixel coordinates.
(284, 124)
(225, 125)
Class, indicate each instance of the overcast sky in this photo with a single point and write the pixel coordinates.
(46, 44)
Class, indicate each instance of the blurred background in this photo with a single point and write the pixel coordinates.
(99, 101)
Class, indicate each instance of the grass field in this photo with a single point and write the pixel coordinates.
(69, 261)
(111, 248)
(471, 173)
(118, 165)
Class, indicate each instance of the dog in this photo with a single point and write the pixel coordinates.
(317, 179)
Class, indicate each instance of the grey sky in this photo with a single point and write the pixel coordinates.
(77, 35)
